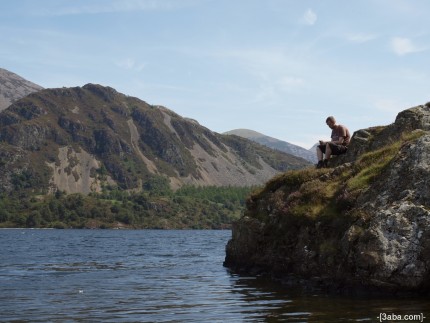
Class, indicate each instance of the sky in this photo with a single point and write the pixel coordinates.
(279, 67)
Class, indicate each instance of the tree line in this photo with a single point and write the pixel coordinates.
(156, 207)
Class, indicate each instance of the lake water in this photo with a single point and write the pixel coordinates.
(156, 276)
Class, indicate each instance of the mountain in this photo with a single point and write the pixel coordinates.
(275, 144)
(82, 139)
(361, 225)
(313, 148)
(13, 88)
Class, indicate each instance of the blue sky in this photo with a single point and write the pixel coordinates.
(279, 67)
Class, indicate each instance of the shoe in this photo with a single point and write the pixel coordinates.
(320, 164)
(325, 163)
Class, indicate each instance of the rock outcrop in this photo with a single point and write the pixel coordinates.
(363, 224)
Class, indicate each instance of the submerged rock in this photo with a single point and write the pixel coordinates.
(362, 224)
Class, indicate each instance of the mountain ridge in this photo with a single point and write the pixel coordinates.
(275, 143)
(92, 136)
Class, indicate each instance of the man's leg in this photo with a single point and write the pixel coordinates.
(320, 156)
(319, 153)
(327, 151)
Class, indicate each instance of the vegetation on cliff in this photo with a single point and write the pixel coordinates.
(318, 193)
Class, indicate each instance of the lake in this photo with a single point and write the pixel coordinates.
(158, 276)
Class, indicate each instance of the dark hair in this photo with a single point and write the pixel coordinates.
(331, 118)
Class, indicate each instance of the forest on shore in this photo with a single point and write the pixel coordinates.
(156, 207)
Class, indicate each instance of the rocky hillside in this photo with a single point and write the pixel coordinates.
(275, 144)
(13, 88)
(362, 224)
(84, 138)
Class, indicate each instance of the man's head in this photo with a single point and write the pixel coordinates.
(331, 122)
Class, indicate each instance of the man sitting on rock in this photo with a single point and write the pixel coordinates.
(337, 146)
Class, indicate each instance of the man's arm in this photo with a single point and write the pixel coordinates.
(340, 141)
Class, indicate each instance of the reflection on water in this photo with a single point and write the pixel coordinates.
(278, 303)
(155, 276)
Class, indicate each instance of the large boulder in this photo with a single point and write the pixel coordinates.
(363, 224)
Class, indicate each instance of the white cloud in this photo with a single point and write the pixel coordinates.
(130, 64)
(265, 93)
(360, 37)
(113, 6)
(389, 105)
(289, 82)
(310, 17)
(268, 58)
(402, 46)
(308, 141)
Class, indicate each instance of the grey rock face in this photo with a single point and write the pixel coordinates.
(394, 246)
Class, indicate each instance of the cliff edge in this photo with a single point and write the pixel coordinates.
(362, 224)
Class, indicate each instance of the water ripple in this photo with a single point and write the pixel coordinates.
(151, 276)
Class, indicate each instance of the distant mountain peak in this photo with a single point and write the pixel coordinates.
(245, 133)
(274, 143)
(13, 87)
